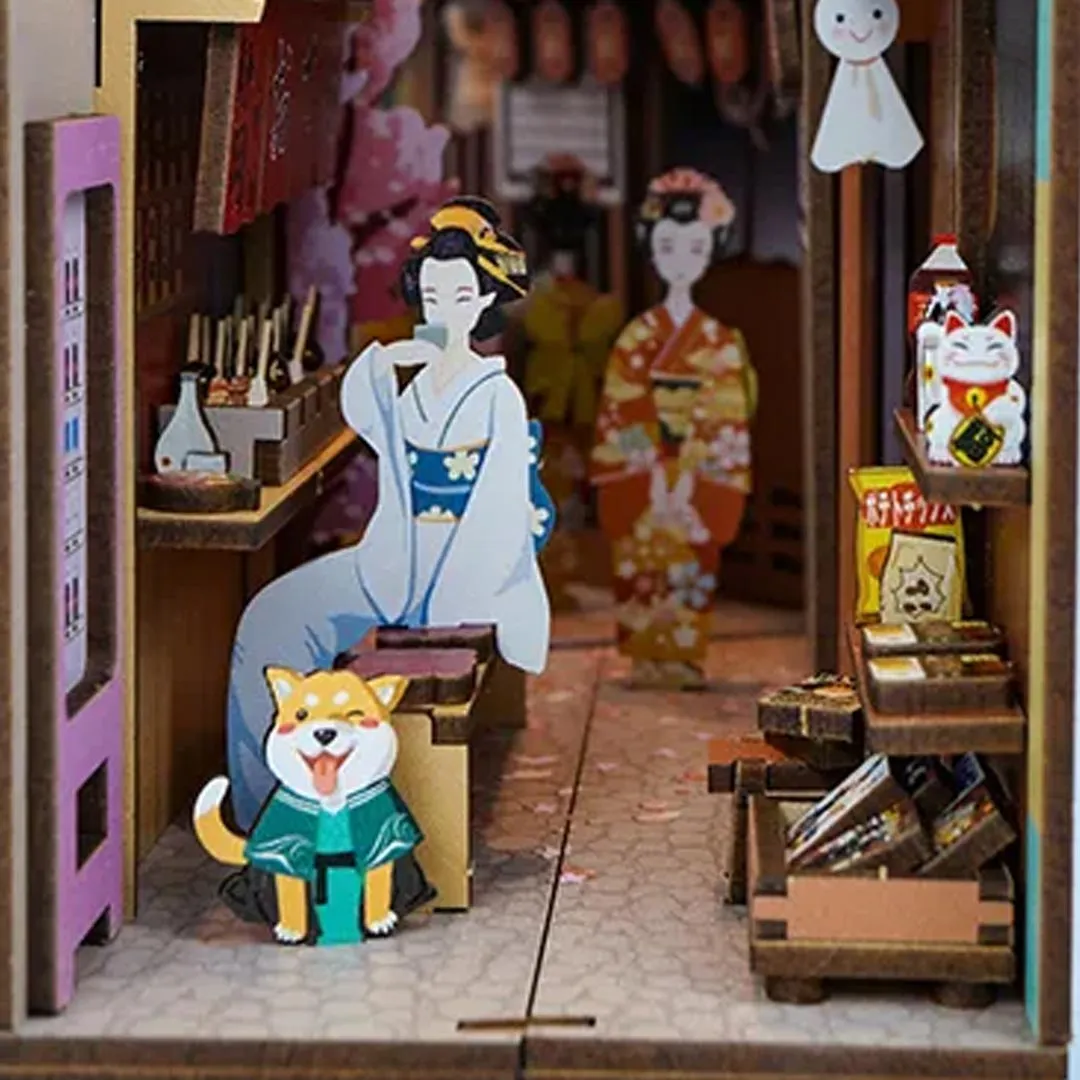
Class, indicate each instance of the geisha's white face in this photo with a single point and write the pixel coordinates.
(681, 252)
(451, 297)
(856, 30)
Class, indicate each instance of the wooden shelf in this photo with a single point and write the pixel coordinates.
(249, 530)
(934, 733)
(992, 486)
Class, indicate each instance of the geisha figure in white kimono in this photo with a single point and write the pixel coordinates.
(865, 117)
(461, 512)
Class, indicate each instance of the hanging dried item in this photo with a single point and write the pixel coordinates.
(500, 29)
(608, 43)
(783, 60)
(473, 77)
(553, 42)
(680, 42)
(727, 41)
(744, 103)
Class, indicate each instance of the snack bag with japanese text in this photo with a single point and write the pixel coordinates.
(909, 551)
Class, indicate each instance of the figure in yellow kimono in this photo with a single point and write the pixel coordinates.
(568, 328)
(671, 458)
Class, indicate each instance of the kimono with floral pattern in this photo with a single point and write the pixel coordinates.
(671, 461)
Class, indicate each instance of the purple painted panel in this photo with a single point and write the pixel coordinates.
(86, 156)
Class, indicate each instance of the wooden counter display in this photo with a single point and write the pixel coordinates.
(996, 731)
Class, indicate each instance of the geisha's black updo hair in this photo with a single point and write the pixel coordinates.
(685, 196)
(469, 228)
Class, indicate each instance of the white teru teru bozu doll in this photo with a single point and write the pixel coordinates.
(976, 414)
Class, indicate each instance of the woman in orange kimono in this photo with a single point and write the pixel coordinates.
(671, 459)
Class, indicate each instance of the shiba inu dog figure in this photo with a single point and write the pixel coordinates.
(334, 826)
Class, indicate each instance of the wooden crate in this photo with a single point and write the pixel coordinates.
(809, 929)
(747, 765)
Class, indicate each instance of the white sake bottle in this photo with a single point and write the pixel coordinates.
(186, 432)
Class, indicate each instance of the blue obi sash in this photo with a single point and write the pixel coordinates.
(441, 482)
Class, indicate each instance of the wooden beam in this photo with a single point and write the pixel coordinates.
(818, 330)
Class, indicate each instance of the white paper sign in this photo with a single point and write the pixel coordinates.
(865, 118)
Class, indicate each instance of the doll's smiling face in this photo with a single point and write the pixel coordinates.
(451, 295)
(856, 30)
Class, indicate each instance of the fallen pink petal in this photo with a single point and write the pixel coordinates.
(606, 766)
(528, 774)
(574, 876)
(666, 752)
(657, 817)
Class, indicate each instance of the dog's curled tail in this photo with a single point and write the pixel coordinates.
(210, 827)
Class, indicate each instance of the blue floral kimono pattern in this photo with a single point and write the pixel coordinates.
(442, 481)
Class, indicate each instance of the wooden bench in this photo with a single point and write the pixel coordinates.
(459, 686)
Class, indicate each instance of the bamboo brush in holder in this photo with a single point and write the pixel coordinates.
(240, 382)
(259, 392)
(308, 354)
(277, 372)
(218, 392)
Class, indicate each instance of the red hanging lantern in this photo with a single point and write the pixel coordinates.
(608, 43)
(680, 42)
(727, 41)
(502, 40)
(553, 46)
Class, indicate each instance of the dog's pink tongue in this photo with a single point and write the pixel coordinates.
(324, 770)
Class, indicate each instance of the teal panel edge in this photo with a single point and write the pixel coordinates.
(1032, 877)
(1044, 78)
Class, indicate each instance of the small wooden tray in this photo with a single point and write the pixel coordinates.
(749, 764)
(198, 493)
(822, 708)
(930, 638)
(974, 828)
(869, 790)
(850, 852)
(929, 684)
(818, 754)
(998, 731)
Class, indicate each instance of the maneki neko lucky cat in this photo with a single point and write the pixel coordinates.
(976, 412)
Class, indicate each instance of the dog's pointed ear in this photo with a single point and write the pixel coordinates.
(388, 690)
(282, 682)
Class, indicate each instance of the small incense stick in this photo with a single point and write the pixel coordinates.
(258, 393)
(296, 364)
(193, 342)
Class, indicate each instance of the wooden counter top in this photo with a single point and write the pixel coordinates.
(250, 530)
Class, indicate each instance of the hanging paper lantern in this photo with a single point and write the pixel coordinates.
(608, 43)
(680, 42)
(502, 40)
(727, 41)
(553, 45)
(782, 56)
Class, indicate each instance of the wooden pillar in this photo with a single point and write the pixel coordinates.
(819, 319)
(856, 423)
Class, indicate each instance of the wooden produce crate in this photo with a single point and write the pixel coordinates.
(273, 443)
(807, 929)
(747, 765)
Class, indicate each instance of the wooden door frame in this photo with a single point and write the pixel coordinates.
(11, 650)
